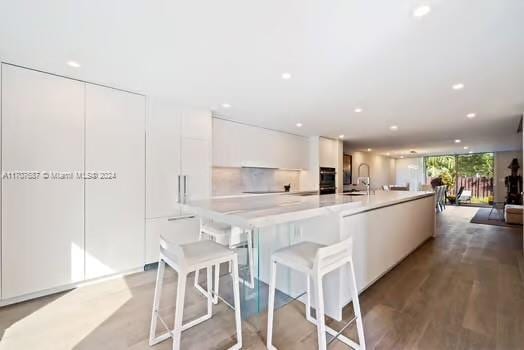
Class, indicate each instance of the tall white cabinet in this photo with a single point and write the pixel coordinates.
(64, 229)
(178, 163)
(114, 206)
(42, 220)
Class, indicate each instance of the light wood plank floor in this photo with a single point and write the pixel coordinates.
(463, 289)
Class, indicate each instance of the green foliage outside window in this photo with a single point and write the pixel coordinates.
(480, 164)
(448, 168)
(443, 167)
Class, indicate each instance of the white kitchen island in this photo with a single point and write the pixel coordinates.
(386, 227)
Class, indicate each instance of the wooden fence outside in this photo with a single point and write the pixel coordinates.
(480, 187)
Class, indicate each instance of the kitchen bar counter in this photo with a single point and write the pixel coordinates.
(256, 211)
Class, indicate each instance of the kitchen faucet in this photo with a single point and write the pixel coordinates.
(364, 179)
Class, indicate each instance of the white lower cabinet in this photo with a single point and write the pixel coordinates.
(114, 206)
(42, 219)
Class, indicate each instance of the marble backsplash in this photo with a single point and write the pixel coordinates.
(230, 181)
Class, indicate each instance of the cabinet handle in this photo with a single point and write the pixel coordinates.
(179, 194)
(185, 187)
(181, 217)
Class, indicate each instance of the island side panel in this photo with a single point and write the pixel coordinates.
(383, 238)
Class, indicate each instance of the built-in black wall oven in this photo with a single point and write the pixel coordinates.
(328, 178)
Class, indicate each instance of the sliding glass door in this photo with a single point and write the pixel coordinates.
(470, 175)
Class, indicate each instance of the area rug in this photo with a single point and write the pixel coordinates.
(482, 217)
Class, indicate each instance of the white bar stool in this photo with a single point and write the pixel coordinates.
(185, 259)
(315, 261)
(231, 237)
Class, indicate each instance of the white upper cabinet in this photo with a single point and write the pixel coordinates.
(115, 207)
(328, 153)
(196, 154)
(196, 169)
(240, 145)
(196, 124)
(42, 219)
(163, 158)
(179, 144)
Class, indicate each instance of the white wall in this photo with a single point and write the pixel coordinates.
(502, 160)
(382, 168)
(410, 170)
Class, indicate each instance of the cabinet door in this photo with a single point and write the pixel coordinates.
(115, 207)
(196, 167)
(225, 152)
(196, 124)
(163, 150)
(42, 220)
(328, 153)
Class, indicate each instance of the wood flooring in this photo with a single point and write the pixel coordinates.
(463, 289)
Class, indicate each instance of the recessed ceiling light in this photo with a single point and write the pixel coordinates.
(401, 157)
(421, 11)
(358, 110)
(73, 64)
(457, 86)
(466, 147)
(470, 152)
(286, 76)
(341, 136)
(369, 149)
(299, 125)
(387, 154)
(458, 141)
(471, 115)
(226, 105)
(393, 128)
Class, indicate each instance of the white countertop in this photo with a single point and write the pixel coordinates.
(254, 211)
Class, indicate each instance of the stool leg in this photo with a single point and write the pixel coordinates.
(156, 300)
(217, 283)
(321, 323)
(308, 301)
(196, 278)
(271, 305)
(179, 311)
(200, 236)
(236, 292)
(356, 307)
(209, 291)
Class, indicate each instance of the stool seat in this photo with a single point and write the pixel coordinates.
(223, 233)
(196, 253)
(216, 229)
(301, 255)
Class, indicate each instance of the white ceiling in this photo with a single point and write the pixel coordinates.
(342, 54)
